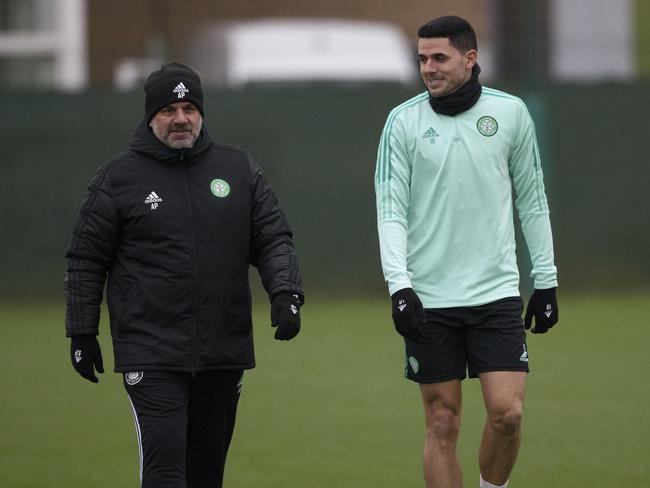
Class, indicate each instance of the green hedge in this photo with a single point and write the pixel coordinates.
(317, 146)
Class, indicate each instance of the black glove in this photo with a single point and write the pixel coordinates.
(543, 306)
(408, 314)
(285, 315)
(85, 353)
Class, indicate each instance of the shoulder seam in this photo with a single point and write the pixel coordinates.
(491, 92)
(409, 103)
(230, 147)
(403, 106)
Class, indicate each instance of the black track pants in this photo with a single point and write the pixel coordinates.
(184, 425)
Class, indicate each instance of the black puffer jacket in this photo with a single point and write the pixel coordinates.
(175, 232)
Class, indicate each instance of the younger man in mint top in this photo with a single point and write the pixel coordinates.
(447, 163)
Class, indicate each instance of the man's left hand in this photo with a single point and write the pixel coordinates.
(86, 356)
(543, 306)
(285, 315)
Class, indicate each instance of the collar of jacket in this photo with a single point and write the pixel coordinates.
(462, 99)
(144, 141)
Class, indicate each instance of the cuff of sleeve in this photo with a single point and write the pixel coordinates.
(545, 283)
(79, 332)
(396, 286)
(300, 296)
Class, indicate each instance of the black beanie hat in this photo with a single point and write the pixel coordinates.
(172, 83)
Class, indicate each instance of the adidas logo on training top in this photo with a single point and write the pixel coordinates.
(153, 198)
(431, 134)
(181, 90)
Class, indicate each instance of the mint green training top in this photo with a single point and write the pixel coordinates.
(444, 201)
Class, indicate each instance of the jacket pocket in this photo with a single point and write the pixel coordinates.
(130, 298)
(236, 310)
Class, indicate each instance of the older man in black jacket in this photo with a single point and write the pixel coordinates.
(174, 224)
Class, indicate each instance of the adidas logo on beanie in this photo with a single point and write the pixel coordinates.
(172, 83)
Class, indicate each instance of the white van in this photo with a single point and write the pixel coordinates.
(280, 51)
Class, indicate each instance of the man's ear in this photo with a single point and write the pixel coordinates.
(470, 58)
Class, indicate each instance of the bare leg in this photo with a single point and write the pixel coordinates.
(442, 403)
(503, 393)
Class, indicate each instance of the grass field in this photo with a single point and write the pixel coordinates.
(331, 408)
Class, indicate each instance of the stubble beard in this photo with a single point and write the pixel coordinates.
(166, 135)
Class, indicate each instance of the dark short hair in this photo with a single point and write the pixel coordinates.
(456, 29)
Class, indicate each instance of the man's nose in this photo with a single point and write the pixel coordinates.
(179, 116)
(431, 65)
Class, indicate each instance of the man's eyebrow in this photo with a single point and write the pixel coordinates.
(433, 55)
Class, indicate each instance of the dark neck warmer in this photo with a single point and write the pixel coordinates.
(144, 141)
(462, 99)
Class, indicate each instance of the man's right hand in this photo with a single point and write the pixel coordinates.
(285, 315)
(408, 314)
(86, 356)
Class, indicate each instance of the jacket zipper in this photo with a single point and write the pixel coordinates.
(195, 265)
